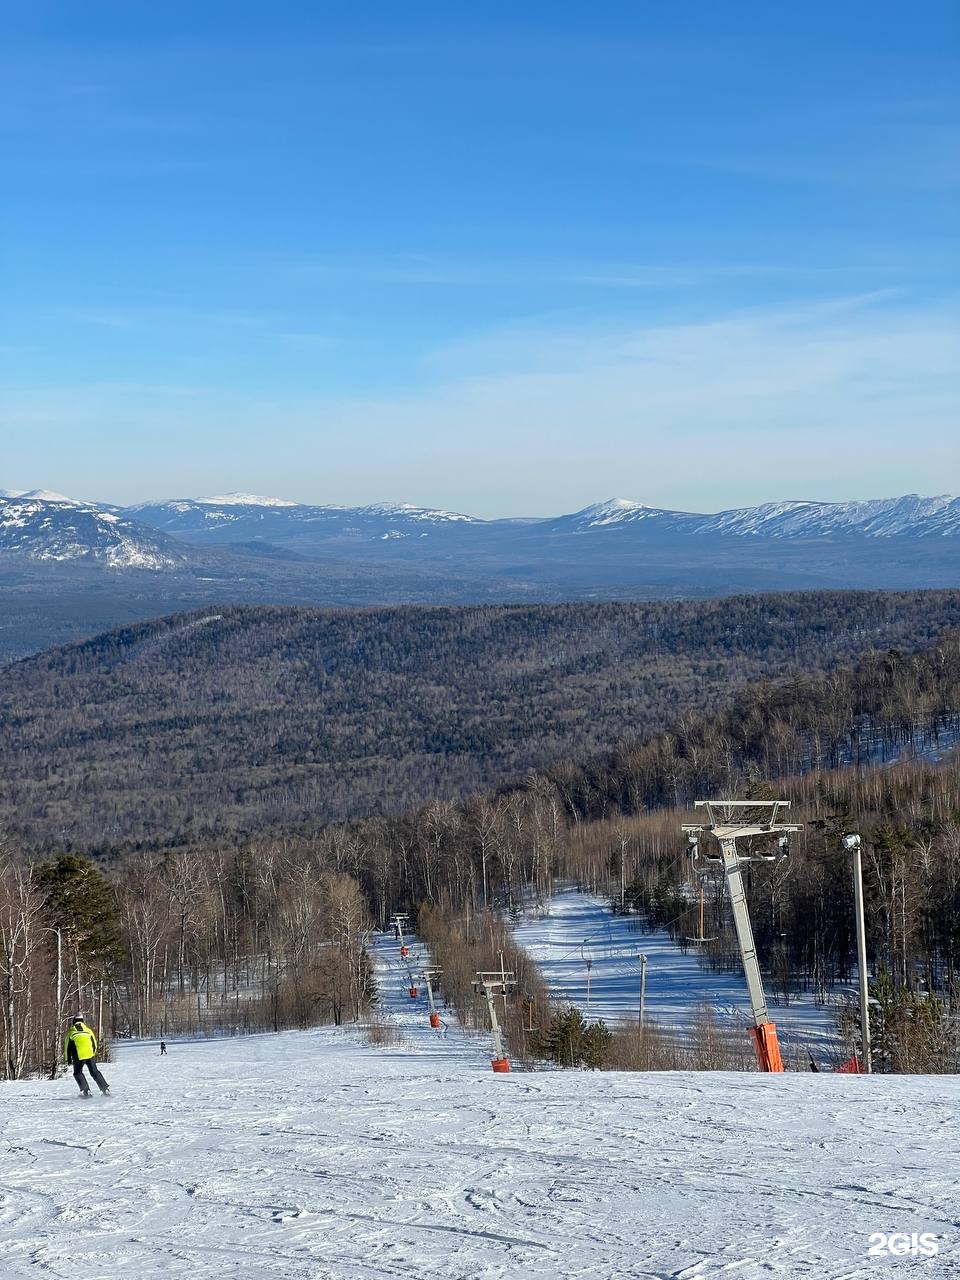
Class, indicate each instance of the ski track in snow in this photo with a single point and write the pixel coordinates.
(581, 927)
(314, 1155)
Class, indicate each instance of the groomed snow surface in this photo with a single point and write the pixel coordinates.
(314, 1155)
(577, 928)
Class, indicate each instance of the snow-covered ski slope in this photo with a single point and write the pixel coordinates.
(580, 927)
(310, 1156)
(315, 1156)
(411, 1018)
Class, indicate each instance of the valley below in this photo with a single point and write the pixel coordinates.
(239, 722)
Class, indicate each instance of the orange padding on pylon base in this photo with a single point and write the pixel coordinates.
(501, 1065)
(852, 1067)
(435, 1020)
(768, 1047)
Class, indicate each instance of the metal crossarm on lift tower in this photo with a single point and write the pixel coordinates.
(723, 823)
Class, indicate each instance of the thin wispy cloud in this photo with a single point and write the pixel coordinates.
(492, 273)
(655, 276)
(819, 399)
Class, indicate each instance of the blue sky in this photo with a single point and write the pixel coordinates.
(506, 259)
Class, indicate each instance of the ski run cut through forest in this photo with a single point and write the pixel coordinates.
(579, 938)
(335, 1155)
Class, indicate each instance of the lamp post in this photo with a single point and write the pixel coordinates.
(852, 845)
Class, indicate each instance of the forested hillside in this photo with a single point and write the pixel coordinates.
(214, 727)
(270, 932)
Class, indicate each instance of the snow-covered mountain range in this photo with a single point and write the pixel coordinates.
(113, 564)
(908, 516)
(45, 526)
(240, 517)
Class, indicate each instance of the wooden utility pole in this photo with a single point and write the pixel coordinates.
(623, 872)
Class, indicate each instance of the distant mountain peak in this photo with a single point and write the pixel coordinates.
(610, 506)
(611, 512)
(51, 527)
(409, 511)
(245, 500)
(40, 495)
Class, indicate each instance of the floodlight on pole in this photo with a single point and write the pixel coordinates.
(852, 843)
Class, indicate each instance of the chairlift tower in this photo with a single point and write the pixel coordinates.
(499, 982)
(398, 921)
(429, 978)
(730, 821)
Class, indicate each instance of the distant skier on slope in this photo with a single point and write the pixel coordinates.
(80, 1050)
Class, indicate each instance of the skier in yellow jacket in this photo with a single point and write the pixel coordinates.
(80, 1050)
